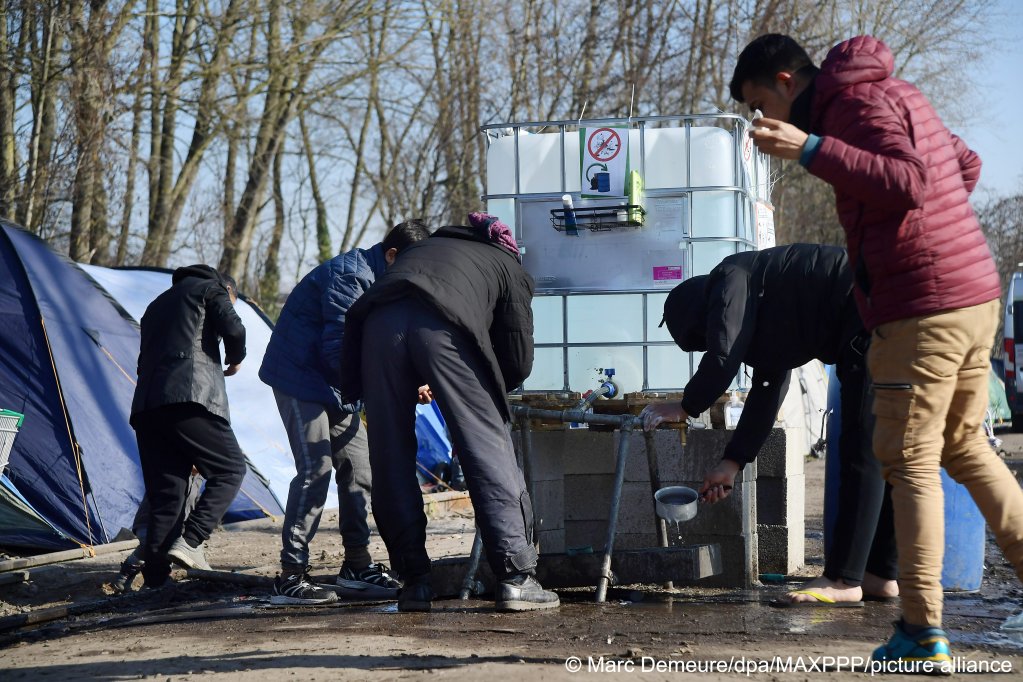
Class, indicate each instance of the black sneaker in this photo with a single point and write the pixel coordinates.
(372, 582)
(297, 589)
(522, 592)
(416, 594)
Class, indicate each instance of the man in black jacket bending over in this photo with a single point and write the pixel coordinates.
(452, 312)
(776, 310)
(180, 414)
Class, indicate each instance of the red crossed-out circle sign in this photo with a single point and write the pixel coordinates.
(604, 144)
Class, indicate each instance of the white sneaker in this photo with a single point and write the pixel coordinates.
(189, 557)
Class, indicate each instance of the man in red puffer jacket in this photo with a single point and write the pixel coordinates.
(925, 284)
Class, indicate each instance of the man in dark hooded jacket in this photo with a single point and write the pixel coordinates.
(926, 286)
(776, 310)
(181, 417)
(453, 312)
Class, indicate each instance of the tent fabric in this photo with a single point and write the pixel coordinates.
(68, 363)
(806, 403)
(434, 446)
(23, 524)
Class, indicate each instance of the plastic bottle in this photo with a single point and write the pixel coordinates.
(571, 227)
(733, 410)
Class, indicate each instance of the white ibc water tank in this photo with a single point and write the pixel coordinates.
(600, 294)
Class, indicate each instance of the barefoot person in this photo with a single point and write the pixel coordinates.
(776, 310)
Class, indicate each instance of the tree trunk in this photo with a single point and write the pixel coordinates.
(323, 249)
(270, 282)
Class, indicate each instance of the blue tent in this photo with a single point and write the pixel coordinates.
(68, 363)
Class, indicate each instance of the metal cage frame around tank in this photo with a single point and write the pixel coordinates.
(745, 204)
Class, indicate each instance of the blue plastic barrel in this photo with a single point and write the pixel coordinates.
(965, 536)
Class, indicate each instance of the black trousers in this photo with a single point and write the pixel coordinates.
(407, 344)
(864, 531)
(173, 439)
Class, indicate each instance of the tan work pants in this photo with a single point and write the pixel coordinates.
(930, 378)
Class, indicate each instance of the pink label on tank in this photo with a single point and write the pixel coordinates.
(665, 272)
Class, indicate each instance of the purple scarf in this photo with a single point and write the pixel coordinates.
(490, 228)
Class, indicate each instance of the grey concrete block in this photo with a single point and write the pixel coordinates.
(587, 497)
(703, 451)
(739, 560)
(771, 501)
(782, 453)
(636, 510)
(780, 550)
(549, 505)
(545, 464)
(590, 452)
(551, 541)
(593, 534)
(781, 501)
(583, 451)
(582, 534)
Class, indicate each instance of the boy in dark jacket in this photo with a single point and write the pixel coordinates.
(181, 417)
(926, 286)
(453, 313)
(303, 366)
(776, 310)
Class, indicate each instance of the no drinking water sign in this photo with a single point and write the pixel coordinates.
(604, 161)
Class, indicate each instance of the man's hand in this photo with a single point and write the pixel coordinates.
(718, 482)
(425, 395)
(232, 370)
(655, 413)
(778, 138)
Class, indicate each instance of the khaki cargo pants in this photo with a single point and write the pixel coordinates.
(930, 378)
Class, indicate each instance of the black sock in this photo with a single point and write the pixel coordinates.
(358, 558)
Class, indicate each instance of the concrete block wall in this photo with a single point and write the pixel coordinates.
(781, 501)
(581, 464)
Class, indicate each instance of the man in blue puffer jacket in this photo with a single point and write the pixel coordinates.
(302, 365)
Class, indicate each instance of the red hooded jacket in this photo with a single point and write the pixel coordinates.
(902, 183)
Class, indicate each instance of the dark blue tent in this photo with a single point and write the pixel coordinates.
(68, 363)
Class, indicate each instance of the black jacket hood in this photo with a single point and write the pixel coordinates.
(199, 270)
(685, 314)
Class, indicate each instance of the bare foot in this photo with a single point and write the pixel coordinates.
(835, 590)
(882, 588)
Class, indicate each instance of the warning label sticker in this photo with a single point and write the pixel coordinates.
(667, 272)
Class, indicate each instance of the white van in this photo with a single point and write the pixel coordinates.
(1013, 332)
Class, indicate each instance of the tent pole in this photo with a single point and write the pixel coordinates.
(67, 555)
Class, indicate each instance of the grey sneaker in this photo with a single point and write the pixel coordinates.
(522, 592)
(298, 589)
(130, 568)
(189, 557)
(372, 582)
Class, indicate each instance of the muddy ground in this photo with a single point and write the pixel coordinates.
(199, 628)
